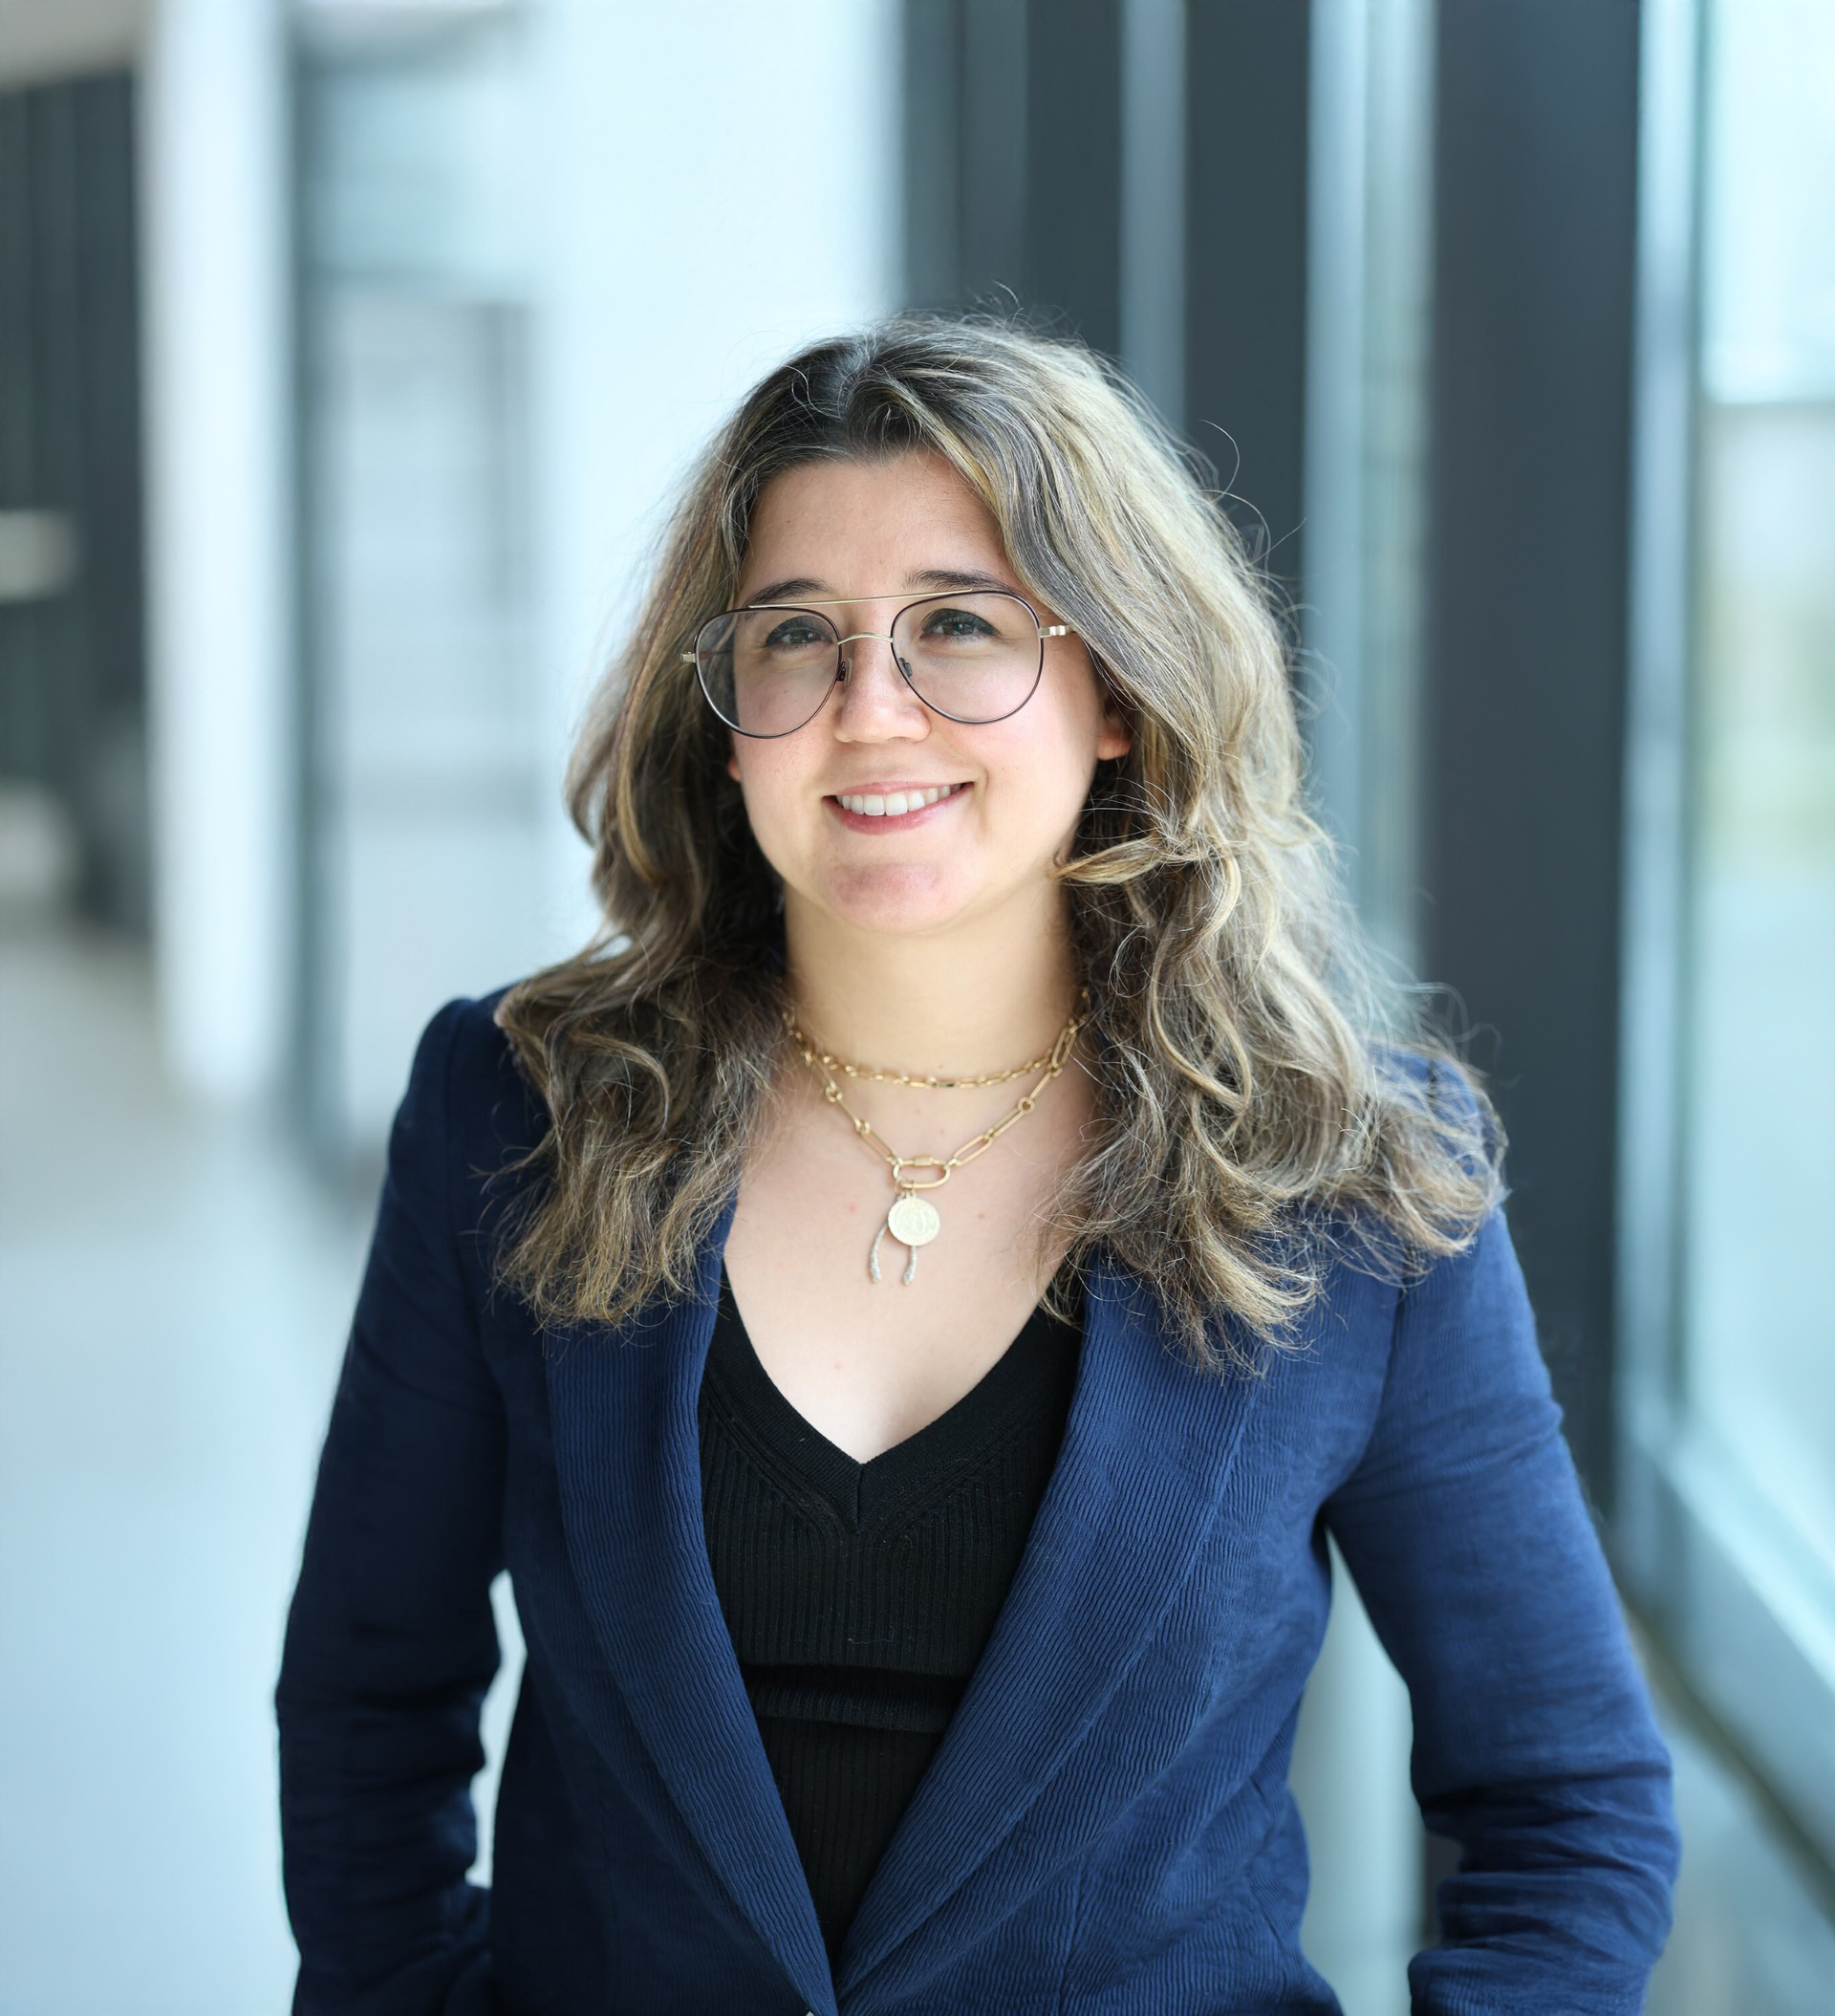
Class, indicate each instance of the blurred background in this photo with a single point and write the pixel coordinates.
(348, 352)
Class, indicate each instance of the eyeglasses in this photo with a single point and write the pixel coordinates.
(972, 658)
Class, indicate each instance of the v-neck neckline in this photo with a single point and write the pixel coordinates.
(864, 1494)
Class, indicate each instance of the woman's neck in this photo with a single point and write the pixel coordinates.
(978, 998)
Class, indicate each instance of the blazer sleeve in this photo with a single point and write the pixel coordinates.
(1535, 1746)
(390, 1642)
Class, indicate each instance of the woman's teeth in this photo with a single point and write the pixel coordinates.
(894, 803)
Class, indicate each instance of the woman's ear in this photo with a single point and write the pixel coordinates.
(1116, 736)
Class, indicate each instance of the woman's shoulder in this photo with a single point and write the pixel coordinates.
(481, 1046)
(466, 1063)
(1425, 1072)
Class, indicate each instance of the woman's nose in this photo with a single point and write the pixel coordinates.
(873, 693)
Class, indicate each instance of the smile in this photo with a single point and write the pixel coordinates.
(897, 804)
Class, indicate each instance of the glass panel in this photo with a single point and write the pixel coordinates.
(1760, 1094)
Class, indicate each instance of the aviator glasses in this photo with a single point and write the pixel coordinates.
(972, 657)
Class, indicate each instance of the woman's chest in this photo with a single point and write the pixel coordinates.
(870, 1361)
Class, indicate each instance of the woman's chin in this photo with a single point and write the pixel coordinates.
(900, 900)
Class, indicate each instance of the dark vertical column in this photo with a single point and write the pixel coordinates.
(1525, 675)
(1013, 160)
(68, 699)
(113, 805)
(1073, 166)
(107, 287)
(932, 119)
(25, 734)
(994, 194)
(72, 700)
(1245, 261)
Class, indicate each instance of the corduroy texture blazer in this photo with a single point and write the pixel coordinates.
(1106, 1829)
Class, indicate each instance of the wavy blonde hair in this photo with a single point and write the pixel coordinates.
(1264, 1103)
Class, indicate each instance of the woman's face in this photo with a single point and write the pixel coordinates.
(876, 536)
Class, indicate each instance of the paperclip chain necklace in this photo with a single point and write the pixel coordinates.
(911, 1219)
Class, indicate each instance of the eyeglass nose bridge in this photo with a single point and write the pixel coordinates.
(844, 658)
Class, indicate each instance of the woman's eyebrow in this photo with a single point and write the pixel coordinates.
(951, 577)
(783, 591)
(796, 585)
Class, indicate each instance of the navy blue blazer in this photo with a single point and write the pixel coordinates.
(1106, 1829)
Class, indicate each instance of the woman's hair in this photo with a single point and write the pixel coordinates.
(1265, 1101)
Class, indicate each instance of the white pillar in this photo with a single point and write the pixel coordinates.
(214, 180)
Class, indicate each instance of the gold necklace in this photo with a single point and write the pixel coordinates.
(911, 1219)
(905, 1077)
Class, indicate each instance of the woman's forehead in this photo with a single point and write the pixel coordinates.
(812, 519)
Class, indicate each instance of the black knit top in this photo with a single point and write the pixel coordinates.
(860, 1595)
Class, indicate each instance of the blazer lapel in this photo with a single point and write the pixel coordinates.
(1141, 1473)
(627, 1450)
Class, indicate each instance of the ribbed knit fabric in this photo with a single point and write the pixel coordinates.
(860, 1595)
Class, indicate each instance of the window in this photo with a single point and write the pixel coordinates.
(1727, 1510)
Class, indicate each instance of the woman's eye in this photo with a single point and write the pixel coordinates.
(793, 637)
(957, 623)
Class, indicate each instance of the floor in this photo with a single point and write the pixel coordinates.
(1751, 1938)
(173, 1295)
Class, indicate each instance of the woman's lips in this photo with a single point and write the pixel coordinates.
(916, 814)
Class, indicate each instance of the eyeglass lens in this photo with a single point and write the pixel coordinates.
(974, 658)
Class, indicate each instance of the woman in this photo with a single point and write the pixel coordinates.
(908, 1303)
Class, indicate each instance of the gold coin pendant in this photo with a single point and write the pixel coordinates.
(912, 1221)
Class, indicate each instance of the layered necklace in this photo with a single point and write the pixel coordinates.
(911, 1218)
